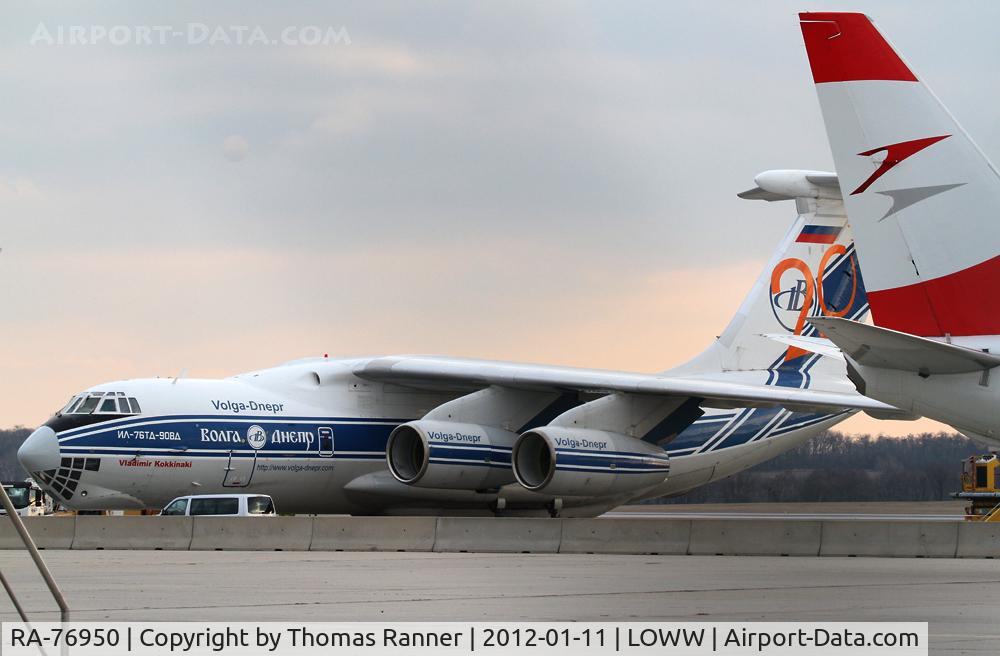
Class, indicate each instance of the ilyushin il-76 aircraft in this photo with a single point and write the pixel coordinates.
(437, 435)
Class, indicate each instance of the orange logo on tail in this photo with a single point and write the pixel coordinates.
(806, 293)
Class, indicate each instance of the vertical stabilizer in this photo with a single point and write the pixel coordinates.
(923, 199)
(814, 272)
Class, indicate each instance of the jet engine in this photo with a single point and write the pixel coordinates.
(566, 461)
(444, 454)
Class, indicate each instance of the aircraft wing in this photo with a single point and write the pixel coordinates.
(460, 374)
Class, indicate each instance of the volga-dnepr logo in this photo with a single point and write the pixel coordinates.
(256, 437)
(795, 295)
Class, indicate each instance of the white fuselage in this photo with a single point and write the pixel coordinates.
(313, 436)
(970, 402)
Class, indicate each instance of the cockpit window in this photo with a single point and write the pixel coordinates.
(88, 405)
(110, 403)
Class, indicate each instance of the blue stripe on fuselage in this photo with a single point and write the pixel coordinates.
(143, 420)
(204, 435)
(360, 438)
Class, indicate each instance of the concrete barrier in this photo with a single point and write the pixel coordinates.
(498, 534)
(749, 537)
(47, 532)
(251, 533)
(625, 536)
(132, 532)
(978, 540)
(373, 533)
(764, 537)
(900, 539)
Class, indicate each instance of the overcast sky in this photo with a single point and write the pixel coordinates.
(547, 182)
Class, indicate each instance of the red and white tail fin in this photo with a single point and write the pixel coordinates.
(923, 200)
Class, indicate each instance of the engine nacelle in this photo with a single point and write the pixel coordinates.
(581, 462)
(445, 454)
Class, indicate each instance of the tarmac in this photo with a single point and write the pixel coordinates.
(957, 597)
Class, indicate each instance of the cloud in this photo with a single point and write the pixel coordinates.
(18, 189)
(366, 59)
(235, 147)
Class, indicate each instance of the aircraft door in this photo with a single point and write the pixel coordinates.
(239, 469)
(325, 443)
(240, 465)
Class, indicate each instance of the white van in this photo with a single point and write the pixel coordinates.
(220, 505)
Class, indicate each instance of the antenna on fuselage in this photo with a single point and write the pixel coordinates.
(182, 374)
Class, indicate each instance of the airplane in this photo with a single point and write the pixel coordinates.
(439, 435)
(923, 200)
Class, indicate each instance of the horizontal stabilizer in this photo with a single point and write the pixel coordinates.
(883, 348)
(761, 194)
(789, 184)
(817, 345)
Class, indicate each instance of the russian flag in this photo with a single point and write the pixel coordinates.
(818, 234)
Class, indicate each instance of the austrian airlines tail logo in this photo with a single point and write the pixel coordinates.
(894, 154)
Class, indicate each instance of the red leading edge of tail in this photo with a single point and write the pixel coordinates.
(843, 47)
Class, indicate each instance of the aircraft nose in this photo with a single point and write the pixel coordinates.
(40, 452)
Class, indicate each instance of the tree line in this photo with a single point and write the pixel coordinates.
(10, 440)
(838, 467)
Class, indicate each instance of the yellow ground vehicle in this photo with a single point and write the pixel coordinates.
(981, 487)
